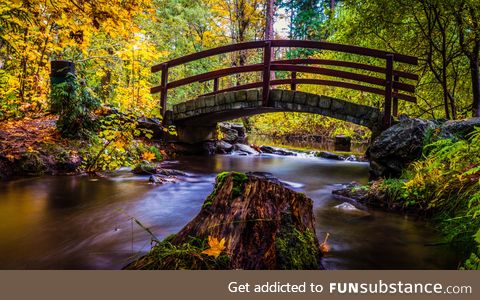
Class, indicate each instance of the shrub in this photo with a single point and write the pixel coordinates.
(74, 103)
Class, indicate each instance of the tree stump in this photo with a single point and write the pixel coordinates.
(265, 226)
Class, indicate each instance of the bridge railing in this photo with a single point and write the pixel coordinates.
(389, 85)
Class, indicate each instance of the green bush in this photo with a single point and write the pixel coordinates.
(74, 103)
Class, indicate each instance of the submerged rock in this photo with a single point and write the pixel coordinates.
(350, 208)
(278, 151)
(161, 179)
(263, 224)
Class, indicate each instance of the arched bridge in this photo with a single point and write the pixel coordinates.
(196, 119)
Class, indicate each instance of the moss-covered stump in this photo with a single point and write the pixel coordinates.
(265, 226)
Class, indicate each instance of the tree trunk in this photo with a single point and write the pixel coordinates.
(265, 226)
(252, 214)
(269, 20)
(474, 69)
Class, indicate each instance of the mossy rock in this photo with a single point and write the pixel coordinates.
(32, 163)
(145, 168)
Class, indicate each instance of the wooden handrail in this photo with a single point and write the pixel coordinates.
(319, 45)
(283, 67)
(341, 84)
(390, 82)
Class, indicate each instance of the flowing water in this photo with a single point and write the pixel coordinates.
(81, 222)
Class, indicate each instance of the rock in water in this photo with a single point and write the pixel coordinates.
(329, 155)
(265, 226)
(349, 208)
(224, 147)
(278, 151)
(397, 146)
(245, 149)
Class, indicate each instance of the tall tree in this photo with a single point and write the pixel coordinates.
(467, 16)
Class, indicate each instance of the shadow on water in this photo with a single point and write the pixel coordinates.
(81, 222)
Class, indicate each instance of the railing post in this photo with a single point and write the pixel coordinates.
(293, 85)
(267, 58)
(387, 106)
(163, 92)
(215, 84)
(395, 97)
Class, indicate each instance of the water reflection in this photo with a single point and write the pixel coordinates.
(86, 223)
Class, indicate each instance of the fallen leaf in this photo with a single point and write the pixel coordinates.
(216, 247)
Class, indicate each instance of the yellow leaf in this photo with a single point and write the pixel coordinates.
(147, 155)
(216, 247)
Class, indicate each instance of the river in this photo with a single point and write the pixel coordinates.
(82, 222)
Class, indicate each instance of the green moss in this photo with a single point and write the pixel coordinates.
(239, 180)
(296, 250)
(187, 256)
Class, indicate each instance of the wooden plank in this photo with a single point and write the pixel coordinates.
(267, 58)
(333, 83)
(211, 75)
(288, 43)
(215, 84)
(320, 45)
(341, 74)
(395, 98)
(210, 52)
(293, 85)
(164, 90)
(387, 105)
(348, 64)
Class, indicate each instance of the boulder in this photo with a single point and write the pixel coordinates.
(350, 209)
(329, 155)
(161, 179)
(209, 147)
(458, 129)
(223, 147)
(242, 134)
(245, 149)
(250, 222)
(230, 135)
(152, 125)
(145, 168)
(397, 147)
(278, 151)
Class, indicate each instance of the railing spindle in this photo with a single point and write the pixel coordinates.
(267, 58)
(293, 85)
(395, 97)
(215, 84)
(387, 106)
(163, 92)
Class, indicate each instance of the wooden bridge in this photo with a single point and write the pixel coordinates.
(196, 119)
